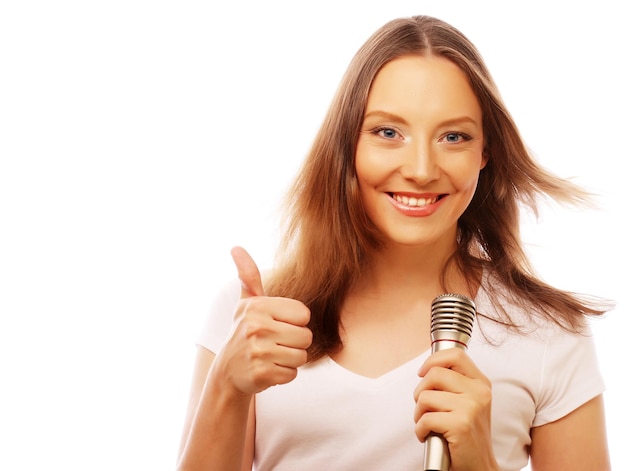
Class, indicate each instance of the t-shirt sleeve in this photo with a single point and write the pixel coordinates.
(219, 319)
(570, 375)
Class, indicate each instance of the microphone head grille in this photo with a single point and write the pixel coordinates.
(452, 314)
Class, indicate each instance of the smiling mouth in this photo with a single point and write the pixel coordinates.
(415, 202)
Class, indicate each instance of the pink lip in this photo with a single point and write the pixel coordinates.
(413, 211)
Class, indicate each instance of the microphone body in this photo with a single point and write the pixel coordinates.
(452, 320)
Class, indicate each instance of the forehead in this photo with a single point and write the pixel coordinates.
(429, 84)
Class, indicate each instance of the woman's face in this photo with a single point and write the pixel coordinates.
(420, 150)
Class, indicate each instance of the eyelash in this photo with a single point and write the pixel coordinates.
(377, 131)
(465, 137)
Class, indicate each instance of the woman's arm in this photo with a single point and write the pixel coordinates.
(577, 442)
(218, 432)
(266, 346)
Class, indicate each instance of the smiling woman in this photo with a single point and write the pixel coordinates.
(140, 141)
(422, 124)
(412, 188)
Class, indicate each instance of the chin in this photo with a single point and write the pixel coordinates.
(412, 239)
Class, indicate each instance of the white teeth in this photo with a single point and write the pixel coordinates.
(413, 201)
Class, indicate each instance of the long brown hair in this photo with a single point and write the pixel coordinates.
(328, 239)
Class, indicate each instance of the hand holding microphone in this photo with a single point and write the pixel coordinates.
(451, 323)
(453, 401)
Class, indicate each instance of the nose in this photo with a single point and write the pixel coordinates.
(420, 163)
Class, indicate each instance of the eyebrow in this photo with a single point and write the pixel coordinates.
(393, 117)
(385, 115)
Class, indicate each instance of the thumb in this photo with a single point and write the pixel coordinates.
(248, 273)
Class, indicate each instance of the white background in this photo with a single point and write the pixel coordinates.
(141, 140)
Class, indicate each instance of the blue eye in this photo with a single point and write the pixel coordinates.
(454, 137)
(387, 133)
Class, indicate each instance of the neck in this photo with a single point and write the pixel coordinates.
(415, 270)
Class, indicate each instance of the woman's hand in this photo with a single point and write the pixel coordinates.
(269, 338)
(454, 400)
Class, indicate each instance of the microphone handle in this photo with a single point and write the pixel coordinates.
(436, 452)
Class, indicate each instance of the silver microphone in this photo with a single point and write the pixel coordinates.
(452, 319)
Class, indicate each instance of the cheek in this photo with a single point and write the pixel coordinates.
(363, 170)
(368, 180)
(465, 177)
(371, 169)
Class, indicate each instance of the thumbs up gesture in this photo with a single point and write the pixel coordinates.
(269, 339)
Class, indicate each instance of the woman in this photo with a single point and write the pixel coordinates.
(411, 189)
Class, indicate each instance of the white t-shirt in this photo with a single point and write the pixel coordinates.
(330, 418)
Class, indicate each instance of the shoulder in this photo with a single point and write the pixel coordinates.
(559, 369)
(501, 317)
